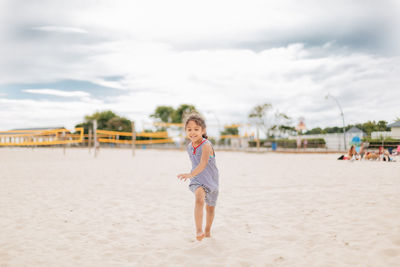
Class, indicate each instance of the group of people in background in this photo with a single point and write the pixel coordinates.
(361, 153)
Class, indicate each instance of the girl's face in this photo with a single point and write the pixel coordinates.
(194, 132)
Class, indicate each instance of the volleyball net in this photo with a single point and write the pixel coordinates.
(45, 137)
(115, 137)
(50, 137)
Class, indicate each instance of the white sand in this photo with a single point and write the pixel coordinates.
(273, 210)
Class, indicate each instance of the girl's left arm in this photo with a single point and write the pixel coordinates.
(205, 155)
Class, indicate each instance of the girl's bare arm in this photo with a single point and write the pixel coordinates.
(205, 155)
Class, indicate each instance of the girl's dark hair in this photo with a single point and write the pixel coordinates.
(196, 118)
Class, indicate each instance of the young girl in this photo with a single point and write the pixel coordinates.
(204, 174)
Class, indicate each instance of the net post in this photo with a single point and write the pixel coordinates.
(90, 140)
(133, 138)
(95, 137)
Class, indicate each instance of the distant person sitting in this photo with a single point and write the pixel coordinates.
(305, 143)
(371, 156)
(362, 151)
(387, 155)
(298, 142)
(351, 155)
(396, 153)
(383, 154)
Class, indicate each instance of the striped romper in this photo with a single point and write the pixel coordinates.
(208, 178)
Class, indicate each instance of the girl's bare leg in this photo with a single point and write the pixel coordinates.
(198, 212)
(209, 219)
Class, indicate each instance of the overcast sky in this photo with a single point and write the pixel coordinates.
(62, 60)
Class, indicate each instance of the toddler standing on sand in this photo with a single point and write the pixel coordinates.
(204, 174)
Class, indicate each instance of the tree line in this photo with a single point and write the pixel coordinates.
(367, 127)
(267, 119)
(108, 120)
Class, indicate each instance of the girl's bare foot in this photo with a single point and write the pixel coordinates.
(207, 234)
(199, 236)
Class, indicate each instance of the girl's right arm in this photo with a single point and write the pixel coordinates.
(205, 155)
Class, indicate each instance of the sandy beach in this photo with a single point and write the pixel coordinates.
(118, 210)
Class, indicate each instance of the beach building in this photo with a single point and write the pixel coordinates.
(393, 133)
(335, 141)
(395, 129)
(356, 132)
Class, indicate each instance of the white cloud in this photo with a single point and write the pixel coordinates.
(231, 82)
(55, 92)
(224, 56)
(59, 29)
(26, 113)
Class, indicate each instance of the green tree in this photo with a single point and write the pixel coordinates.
(334, 129)
(85, 125)
(367, 127)
(181, 111)
(259, 114)
(317, 130)
(280, 119)
(169, 114)
(164, 113)
(287, 129)
(102, 118)
(106, 120)
(382, 126)
(119, 124)
(230, 131)
(372, 126)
